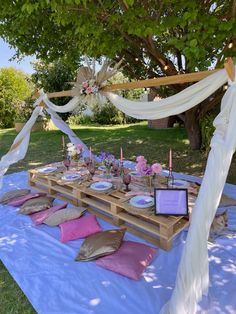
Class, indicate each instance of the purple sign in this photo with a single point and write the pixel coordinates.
(171, 202)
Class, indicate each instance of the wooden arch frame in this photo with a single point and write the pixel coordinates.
(167, 80)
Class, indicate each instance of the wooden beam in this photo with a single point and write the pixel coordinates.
(64, 93)
(167, 80)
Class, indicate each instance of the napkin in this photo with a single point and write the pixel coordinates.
(135, 193)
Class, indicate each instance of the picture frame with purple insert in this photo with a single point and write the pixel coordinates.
(171, 202)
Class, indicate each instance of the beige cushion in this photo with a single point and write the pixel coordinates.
(101, 244)
(36, 205)
(9, 196)
(64, 215)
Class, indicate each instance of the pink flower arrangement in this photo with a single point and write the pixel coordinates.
(146, 170)
(74, 150)
(89, 87)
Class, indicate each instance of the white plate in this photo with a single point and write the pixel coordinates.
(71, 177)
(142, 201)
(179, 184)
(101, 186)
(48, 169)
(129, 164)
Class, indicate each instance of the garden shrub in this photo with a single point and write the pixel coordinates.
(107, 114)
(80, 119)
(15, 87)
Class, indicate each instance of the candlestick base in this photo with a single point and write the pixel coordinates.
(170, 179)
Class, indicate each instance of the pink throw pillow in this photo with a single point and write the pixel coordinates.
(16, 202)
(79, 228)
(130, 260)
(39, 217)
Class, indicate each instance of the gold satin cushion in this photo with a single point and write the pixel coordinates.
(100, 244)
(9, 196)
(63, 215)
(36, 204)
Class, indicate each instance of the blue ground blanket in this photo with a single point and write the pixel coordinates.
(45, 269)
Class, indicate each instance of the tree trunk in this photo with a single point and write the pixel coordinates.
(193, 128)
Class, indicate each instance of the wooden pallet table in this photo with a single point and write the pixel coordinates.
(112, 207)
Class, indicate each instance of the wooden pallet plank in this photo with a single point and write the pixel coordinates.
(154, 229)
(112, 207)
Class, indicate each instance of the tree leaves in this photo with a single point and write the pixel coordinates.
(199, 31)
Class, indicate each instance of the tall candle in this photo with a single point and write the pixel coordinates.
(63, 141)
(90, 153)
(170, 159)
(121, 154)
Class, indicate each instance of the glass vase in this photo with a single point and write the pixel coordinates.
(155, 182)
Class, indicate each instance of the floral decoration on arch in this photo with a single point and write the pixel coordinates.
(89, 83)
(89, 87)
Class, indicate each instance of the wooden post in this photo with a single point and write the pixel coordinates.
(229, 67)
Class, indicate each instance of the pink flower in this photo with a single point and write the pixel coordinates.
(89, 90)
(85, 84)
(156, 168)
(141, 159)
(79, 147)
(141, 166)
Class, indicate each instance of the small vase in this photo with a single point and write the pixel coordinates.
(147, 181)
(108, 172)
(155, 181)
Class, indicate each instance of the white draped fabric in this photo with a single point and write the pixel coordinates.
(181, 102)
(192, 277)
(19, 152)
(21, 142)
(70, 106)
(61, 125)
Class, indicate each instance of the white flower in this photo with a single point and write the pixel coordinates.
(69, 145)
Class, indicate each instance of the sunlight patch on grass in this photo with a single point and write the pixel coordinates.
(35, 163)
(139, 141)
(108, 127)
(194, 166)
(185, 141)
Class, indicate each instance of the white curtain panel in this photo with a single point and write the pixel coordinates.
(19, 152)
(181, 102)
(193, 277)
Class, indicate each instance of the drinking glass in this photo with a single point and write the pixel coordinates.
(115, 169)
(126, 181)
(67, 163)
(87, 161)
(91, 169)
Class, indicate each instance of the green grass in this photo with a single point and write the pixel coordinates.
(135, 139)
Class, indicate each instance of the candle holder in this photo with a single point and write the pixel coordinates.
(170, 179)
(121, 169)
